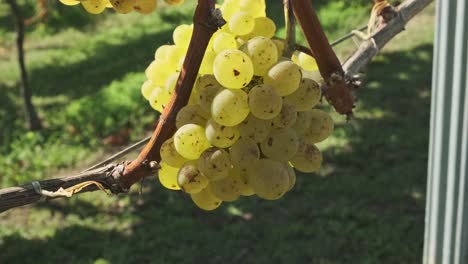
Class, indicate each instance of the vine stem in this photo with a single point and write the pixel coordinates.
(290, 24)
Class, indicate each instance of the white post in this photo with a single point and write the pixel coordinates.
(446, 234)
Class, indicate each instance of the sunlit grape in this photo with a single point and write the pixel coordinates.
(230, 107)
(168, 176)
(233, 69)
(169, 154)
(264, 102)
(190, 178)
(190, 141)
(214, 163)
(221, 136)
(284, 77)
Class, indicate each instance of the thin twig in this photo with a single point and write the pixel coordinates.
(290, 24)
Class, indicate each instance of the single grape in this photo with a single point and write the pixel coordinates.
(241, 23)
(230, 107)
(159, 98)
(207, 63)
(145, 6)
(94, 6)
(255, 8)
(284, 77)
(169, 154)
(162, 52)
(182, 35)
(190, 141)
(221, 136)
(223, 41)
(306, 97)
(228, 8)
(302, 123)
(190, 179)
(264, 27)
(205, 81)
(168, 176)
(269, 179)
(263, 53)
(147, 88)
(307, 159)
(233, 69)
(243, 152)
(191, 114)
(280, 145)
(122, 6)
(205, 200)
(214, 163)
(227, 189)
(243, 176)
(207, 95)
(254, 128)
(307, 62)
(264, 102)
(287, 117)
(320, 128)
(158, 72)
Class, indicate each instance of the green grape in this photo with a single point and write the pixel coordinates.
(254, 128)
(207, 65)
(243, 176)
(94, 6)
(168, 176)
(223, 41)
(281, 144)
(285, 77)
(182, 35)
(205, 200)
(171, 82)
(233, 69)
(190, 178)
(228, 8)
(307, 159)
(123, 6)
(147, 88)
(307, 96)
(320, 128)
(190, 141)
(241, 23)
(230, 107)
(158, 72)
(169, 154)
(268, 179)
(264, 27)
(214, 163)
(263, 53)
(145, 6)
(256, 8)
(162, 52)
(307, 62)
(302, 123)
(205, 81)
(194, 100)
(159, 98)
(291, 174)
(191, 114)
(174, 2)
(207, 95)
(279, 46)
(264, 102)
(69, 2)
(287, 117)
(221, 136)
(243, 152)
(227, 189)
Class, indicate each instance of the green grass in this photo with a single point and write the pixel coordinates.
(366, 205)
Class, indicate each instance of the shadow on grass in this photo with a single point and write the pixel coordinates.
(367, 205)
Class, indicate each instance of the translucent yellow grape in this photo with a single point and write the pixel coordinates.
(182, 35)
(287, 117)
(168, 176)
(205, 200)
(230, 107)
(243, 152)
(254, 128)
(214, 163)
(269, 179)
(190, 141)
(147, 88)
(70, 2)
(190, 179)
(241, 23)
(263, 53)
(228, 8)
(162, 53)
(255, 8)
(285, 77)
(221, 136)
(208, 61)
(306, 97)
(123, 6)
(307, 62)
(320, 128)
(159, 98)
(281, 144)
(171, 82)
(227, 189)
(158, 72)
(169, 154)
(145, 6)
(205, 81)
(190, 114)
(206, 96)
(174, 2)
(307, 159)
(264, 102)
(233, 69)
(223, 41)
(264, 27)
(94, 6)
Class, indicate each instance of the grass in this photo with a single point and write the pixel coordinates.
(366, 205)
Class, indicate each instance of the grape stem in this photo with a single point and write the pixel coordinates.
(290, 24)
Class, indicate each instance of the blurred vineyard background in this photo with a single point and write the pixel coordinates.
(366, 205)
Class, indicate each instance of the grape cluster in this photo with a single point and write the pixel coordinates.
(249, 121)
(120, 6)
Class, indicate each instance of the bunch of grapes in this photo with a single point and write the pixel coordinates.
(250, 119)
(120, 6)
